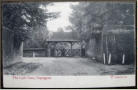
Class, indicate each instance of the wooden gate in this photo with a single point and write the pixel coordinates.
(68, 52)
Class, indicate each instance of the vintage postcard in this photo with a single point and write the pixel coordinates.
(80, 44)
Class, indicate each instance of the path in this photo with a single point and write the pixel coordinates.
(73, 66)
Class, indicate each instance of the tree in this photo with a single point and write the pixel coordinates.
(25, 16)
(86, 16)
(21, 19)
(37, 38)
(89, 15)
(89, 19)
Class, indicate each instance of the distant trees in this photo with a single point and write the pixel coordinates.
(93, 19)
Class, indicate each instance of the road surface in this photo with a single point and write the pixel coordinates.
(75, 66)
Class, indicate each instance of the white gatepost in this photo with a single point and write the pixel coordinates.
(33, 54)
(104, 57)
(109, 59)
(123, 59)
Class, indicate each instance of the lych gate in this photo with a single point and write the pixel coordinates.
(58, 48)
(65, 48)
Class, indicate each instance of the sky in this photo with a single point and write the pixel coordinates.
(63, 20)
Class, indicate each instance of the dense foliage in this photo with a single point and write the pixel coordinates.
(21, 18)
(21, 22)
(106, 27)
(88, 16)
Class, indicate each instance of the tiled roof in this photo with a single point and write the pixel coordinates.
(63, 36)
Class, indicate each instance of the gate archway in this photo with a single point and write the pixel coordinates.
(58, 48)
(62, 48)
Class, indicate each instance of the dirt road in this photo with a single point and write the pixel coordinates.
(75, 66)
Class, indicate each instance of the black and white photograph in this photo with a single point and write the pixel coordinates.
(80, 38)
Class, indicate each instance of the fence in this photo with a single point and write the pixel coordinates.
(43, 52)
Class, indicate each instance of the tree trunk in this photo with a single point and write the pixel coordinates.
(18, 50)
(107, 52)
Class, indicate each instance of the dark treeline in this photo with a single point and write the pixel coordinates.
(107, 28)
(20, 22)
